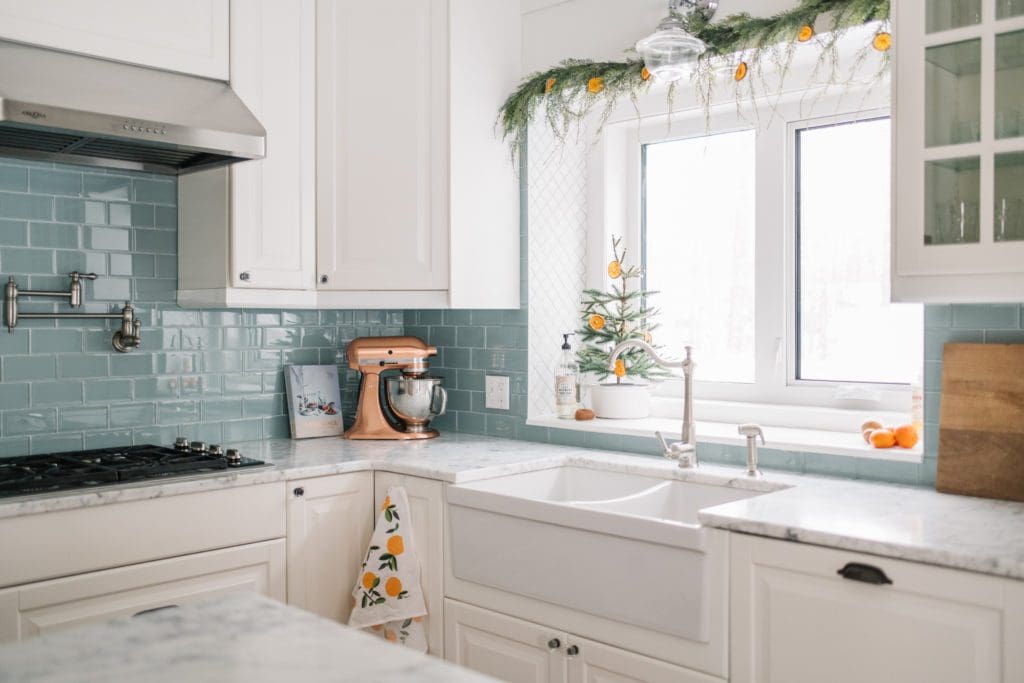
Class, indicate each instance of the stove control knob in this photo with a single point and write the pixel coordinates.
(216, 451)
(233, 457)
(198, 447)
(181, 444)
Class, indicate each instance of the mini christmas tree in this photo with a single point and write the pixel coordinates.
(611, 317)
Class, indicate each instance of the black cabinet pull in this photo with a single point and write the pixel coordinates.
(572, 650)
(299, 491)
(154, 609)
(865, 573)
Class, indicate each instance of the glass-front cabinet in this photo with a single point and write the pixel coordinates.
(958, 103)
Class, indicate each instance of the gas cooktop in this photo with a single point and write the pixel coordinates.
(32, 474)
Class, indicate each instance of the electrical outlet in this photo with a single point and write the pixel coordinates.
(496, 392)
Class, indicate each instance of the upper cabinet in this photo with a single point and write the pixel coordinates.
(190, 36)
(958, 222)
(246, 234)
(417, 198)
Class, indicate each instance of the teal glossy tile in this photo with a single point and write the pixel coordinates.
(13, 233)
(108, 239)
(156, 241)
(503, 426)
(486, 317)
(267, 405)
(265, 359)
(167, 266)
(319, 336)
(471, 337)
(67, 210)
(220, 409)
(105, 390)
(13, 342)
(54, 443)
(20, 368)
(15, 260)
(120, 264)
(201, 385)
(149, 388)
(887, 471)
(506, 337)
(301, 356)
(143, 216)
(77, 365)
(938, 315)
(47, 394)
(178, 412)
(456, 358)
(178, 363)
(26, 422)
(47, 181)
(223, 361)
(31, 207)
(293, 318)
(247, 430)
(119, 214)
(243, 383)
(62, 340)
(83, 262)
(1004, 336)
(14, 396)
(513, 360)
(272, 319)
(107, 187)
(14, 446)
(79, 419)
(276, 428)
(986, 317)
(54, 235)
(155, 191)
(174, 318)
(204, 338)
(132, 414)
(122, 365)
(281, 337)
(273, 382)
(13, 178)
(95, 213)
(830, 465)
(158, 435)
(241, 338)
(108, 438)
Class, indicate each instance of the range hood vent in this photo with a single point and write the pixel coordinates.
(56, 106)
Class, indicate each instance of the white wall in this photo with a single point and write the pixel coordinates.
(554, 30)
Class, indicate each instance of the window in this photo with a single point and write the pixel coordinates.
(768, 241)
(847, 329)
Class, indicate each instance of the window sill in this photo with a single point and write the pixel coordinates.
(777, 438)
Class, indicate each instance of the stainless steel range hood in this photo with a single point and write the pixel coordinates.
(57, 106)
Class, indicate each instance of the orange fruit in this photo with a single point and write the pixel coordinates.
(906, 436)
(620, 368)
(396, 546)
(595, 85)
(882, 41)
(882, 438)
(393, 586)
(369, 580)
(805, 34)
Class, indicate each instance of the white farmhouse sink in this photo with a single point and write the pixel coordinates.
(623, 547)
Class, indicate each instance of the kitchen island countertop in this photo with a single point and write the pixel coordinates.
(241, 637)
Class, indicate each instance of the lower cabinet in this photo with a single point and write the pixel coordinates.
(38, 608)
(518, 651)
(805, 614)
(329, 524)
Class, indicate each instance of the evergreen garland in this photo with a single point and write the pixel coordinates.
(611, 317)
(571, 90)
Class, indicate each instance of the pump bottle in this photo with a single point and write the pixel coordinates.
(566, 382)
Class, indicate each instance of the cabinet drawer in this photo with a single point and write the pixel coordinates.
(27, 611)
(795, 619)
(53, 544)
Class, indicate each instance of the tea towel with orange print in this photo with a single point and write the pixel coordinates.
(388, 595)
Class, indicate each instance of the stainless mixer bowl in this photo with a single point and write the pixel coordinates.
(416, 400)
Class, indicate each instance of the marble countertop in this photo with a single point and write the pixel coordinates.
(916, 524)
(242, 637)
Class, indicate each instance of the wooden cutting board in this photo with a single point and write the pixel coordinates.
(981, 424)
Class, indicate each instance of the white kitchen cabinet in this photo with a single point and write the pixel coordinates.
(958, 150)
(519, 651)
(795, 620)
(247, 234)
(426, 502)
(417, 199)
(190, 36)
(329, 524)
(38, 608)
(506, 648)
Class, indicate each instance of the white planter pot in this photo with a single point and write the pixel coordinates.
(621, 401)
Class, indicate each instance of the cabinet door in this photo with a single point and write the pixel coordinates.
(426, 500)
(382, 162)
(592, 662)
(273, 200)
(190, 36)
(795, 620)
(503, 647)
(37, 608)
(329, 524)
(958, 145)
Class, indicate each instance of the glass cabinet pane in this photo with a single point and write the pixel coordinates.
(1009, 196)
(1010, 84)
(942, 15)
(953, 93)
(1009, 8)
(952, 188)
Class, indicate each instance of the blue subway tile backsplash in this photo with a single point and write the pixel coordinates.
(212, 375)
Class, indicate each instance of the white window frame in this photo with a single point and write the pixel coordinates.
(614, 207)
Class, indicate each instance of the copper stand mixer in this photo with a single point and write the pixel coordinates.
(413, 398)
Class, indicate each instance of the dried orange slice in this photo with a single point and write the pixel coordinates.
(741, 72)
(805, 34)
(882, 41)
(596, 322)
(595, 85)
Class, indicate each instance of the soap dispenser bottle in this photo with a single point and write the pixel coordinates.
(566, 382)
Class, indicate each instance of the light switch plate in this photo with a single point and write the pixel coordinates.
(496, 392)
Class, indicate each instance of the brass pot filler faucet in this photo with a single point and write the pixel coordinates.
(128, 337)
